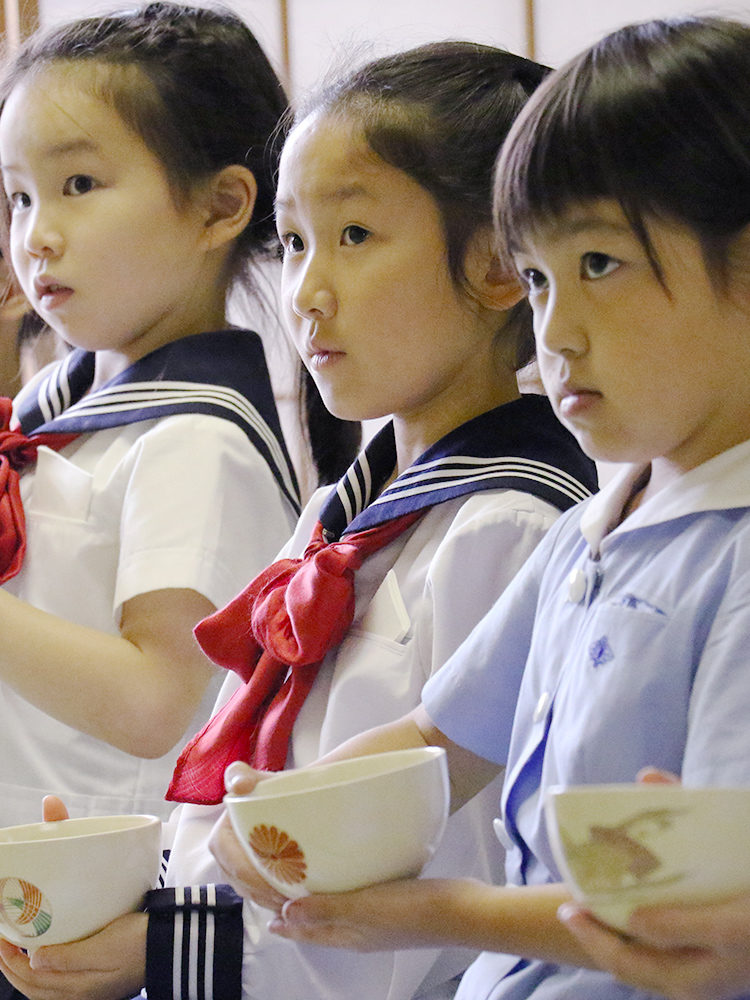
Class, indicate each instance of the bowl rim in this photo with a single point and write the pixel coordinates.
(420, 755)
(639, 787)
(46, 829)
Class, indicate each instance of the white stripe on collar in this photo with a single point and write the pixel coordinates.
(434, 478)
(454, 469)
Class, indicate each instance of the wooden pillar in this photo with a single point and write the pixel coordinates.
(18, 19)
(530, 30)
(286, 54)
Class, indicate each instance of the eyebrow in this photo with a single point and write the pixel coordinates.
(344, 192)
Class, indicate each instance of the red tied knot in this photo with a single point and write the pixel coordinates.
(17, 450)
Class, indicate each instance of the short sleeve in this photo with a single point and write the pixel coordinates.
(490, 539)
(472, 698)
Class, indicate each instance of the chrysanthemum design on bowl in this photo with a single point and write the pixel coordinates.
(281, 856)
(24, 907)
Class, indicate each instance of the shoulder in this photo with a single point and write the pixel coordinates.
(491, 518)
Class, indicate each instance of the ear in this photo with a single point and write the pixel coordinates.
(229, 201)
(492, 284)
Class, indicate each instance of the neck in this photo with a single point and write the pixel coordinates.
(414, 435)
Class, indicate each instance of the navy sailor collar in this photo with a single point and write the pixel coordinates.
(221, 374)
(520, 445)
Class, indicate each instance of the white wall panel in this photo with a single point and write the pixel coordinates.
(564, 27)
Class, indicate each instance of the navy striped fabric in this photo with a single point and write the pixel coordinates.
(200, 927)
(520, 446)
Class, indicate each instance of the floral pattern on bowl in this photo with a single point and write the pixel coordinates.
(281, 856)
(24, 907)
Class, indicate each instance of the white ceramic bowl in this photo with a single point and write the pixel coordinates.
(65, 880)
(335, 827)
(623, 846)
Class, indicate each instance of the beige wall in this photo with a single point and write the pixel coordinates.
(566, 26)
(326, 33)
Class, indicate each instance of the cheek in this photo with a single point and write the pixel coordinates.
(544, 365)
(18, 257)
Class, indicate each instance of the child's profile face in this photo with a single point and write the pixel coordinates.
(99, 246)
(366, 289)
(639, 371)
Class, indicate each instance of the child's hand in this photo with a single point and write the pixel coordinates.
(241, 873)
(109, 964)
(684, 953)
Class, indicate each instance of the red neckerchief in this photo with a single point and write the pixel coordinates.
(17, 450)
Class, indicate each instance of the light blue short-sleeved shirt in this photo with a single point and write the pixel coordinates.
(623, 648)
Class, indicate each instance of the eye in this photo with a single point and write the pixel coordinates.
(79, 184)
(533, 279)
(291, 243)
(18, 201)
(598, 265)
(352, 236)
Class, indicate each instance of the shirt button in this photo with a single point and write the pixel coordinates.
(576, 586)
(542, 706)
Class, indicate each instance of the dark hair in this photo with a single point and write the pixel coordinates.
(192, 82)
(440, 112)
(655, 116)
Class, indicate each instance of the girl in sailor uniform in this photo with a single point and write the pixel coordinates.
(624, 196)
(398, 306)
(139, 185)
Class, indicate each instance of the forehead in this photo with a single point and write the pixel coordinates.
(593, 219)
(57, 110)
(327, 161)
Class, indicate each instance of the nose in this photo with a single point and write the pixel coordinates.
(313, 296)
(41, 235)
(559, 326)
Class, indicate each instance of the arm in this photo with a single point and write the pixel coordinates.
(137, 691)
(180, 544)
(468, 772)
(419, 913)
(139, 949)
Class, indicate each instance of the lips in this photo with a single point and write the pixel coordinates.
(576, 400)
(319, 352)
(321, 359)
(51, 293)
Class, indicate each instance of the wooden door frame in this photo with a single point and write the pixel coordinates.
(18, 19)
(530, 30)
